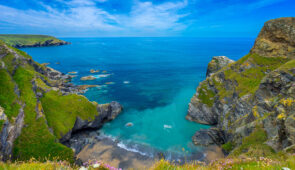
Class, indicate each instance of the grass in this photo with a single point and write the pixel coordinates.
(35, 140)
(247, 73)
(26, 39)
(8, 98)
(228, 147)
(253, 145)
(233, 164)
(1, 124)
(205, 95)
(54, 111)
(61, 111)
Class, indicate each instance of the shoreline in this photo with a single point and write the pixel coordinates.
(99, 147)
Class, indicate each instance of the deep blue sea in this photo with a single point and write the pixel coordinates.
(153, 78)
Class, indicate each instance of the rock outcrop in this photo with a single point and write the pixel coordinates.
(43, 44)
(216, 64)
(276, 39)
(256, 91)
(106, 113)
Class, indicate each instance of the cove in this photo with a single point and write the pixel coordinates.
(153, 78)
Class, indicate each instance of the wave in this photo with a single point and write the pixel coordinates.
(123, 146)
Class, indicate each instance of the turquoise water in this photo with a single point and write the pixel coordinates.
(153, 78)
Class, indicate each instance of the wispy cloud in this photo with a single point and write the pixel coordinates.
(87, 15)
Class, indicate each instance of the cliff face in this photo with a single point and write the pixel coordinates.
(255, 94)
(39, 109)
(27, 40)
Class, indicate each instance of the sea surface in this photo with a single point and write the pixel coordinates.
(153, 78)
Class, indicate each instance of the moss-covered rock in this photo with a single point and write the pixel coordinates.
(257, 90)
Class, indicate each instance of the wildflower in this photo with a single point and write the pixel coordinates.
(285, 168)
(83, 168)
(96, 165)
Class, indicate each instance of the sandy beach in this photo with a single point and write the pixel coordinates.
(107, 151)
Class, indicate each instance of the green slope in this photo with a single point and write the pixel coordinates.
(26, 40)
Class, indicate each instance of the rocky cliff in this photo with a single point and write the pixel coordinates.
(250, 103)
(39, 109)
(27, 40)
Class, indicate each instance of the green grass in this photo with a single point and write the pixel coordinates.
(8, 98)
(289, 65)
(61, 111)
(232, 164)
(1, 124)
(249, 79)
(229, 146)
(35, 140)
(26, 39)
(253, 145)
(205, 95)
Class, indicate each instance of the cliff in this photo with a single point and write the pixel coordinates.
(39, 109)
(26, 40)
(251, 103)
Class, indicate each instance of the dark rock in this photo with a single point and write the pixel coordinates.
(207, 137)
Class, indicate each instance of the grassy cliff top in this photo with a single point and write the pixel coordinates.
(27, 40)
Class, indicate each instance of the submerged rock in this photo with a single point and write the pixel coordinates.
(85, 87)
(94, 71)
(88, 78)
(129, 124)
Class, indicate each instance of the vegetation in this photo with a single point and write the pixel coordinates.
(253, 145)
(35, 140)
(205, 95)
(61, 111)
(246, 74)
(20, 40)
(8, 98)
(17, 77)
(245, 163)
(235, 163)
(229, 146)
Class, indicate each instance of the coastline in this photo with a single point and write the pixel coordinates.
(94, 146)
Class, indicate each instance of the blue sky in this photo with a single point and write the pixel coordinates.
(100, 18)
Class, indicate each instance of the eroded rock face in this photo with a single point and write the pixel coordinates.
(216, 64)
(207, 137)
(259, 89)
(9, 132)
(277, 38)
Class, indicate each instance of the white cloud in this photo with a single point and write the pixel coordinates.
(146, 15)
(86, 15)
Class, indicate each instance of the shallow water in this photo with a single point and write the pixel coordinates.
(153, 78)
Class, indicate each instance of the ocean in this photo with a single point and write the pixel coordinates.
(153, 78)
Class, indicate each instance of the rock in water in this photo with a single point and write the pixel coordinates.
(88, 78)
(217, 63)
(129, 124)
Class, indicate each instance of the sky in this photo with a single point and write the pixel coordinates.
(141, 18)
